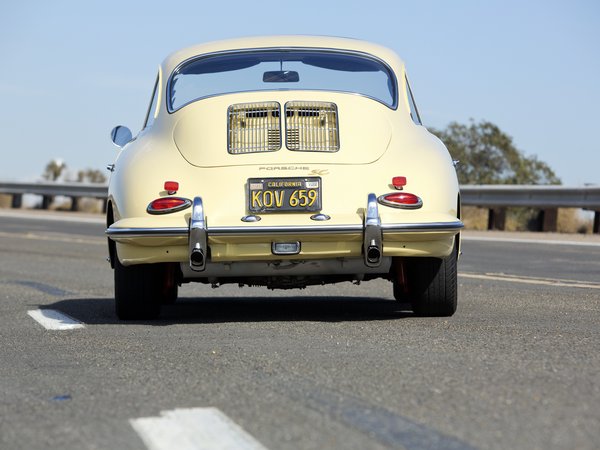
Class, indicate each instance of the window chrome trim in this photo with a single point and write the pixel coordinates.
(150, 111)
(393, 106)
(180, 232)
(411, 103)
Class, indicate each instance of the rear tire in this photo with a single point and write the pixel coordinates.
(138, 291)
(170, 296)
(400, 294)
(169, 290)
(433, 286)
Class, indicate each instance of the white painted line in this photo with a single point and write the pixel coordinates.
(57, 217)
(530, 241)
(53, 237)
(193, 429)
(51, 319)
(531, 280)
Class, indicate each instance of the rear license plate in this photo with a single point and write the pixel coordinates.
(284, 194)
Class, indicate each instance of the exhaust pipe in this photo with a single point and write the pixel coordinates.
(197, 257)
(372, 239)
(373, 253)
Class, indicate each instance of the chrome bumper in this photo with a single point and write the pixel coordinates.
(183, 232)
(197, 233)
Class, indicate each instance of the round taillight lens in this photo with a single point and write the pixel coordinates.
(404, 200)
(167, 205)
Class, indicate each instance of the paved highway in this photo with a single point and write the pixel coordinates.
(342, 367)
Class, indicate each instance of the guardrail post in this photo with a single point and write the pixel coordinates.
(74, 204)
(548, 219)
(496, 218)
(17, 201)
(46, 200)
(596, 227)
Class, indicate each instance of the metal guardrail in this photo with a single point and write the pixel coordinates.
(67, 189)
(533, 196)
(495, 197)
(546, 198)
(49, 190)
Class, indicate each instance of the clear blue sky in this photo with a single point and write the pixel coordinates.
(71, 70)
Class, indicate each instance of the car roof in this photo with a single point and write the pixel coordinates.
(291, 41)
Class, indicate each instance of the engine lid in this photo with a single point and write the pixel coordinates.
(290, 128)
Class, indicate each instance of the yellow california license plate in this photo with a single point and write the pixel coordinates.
(284, 194)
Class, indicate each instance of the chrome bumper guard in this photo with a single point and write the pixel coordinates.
(372, 240)
(372, 232)
(198, 242)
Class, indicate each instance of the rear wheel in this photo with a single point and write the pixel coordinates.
(400, 282)
(432, 285)
(169, 289)
(170, 296)
(140, 290)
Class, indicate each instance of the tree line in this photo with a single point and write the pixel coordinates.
(57, 170)
(487, 155)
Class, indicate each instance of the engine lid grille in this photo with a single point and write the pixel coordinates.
(312, 126)
(253, 127)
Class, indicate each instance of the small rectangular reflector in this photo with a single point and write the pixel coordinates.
(171, 186)
(399, 182)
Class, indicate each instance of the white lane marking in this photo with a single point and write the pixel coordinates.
(193, 429)
(96, 240)
(531, 280)
(530, 241)
(51, 319)
(57, 217)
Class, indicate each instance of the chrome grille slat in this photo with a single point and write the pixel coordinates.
(312, 126)
(253, 127)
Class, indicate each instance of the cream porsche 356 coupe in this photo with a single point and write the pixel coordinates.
(284, 162)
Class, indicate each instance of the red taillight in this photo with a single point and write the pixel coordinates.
(399, 182)
(171, 186)
(401, 200)
(167, 205)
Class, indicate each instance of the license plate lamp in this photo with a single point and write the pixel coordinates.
(285, 248)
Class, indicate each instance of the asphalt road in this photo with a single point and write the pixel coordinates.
(340, 367)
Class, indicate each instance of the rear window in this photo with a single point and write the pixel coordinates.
(271, 70)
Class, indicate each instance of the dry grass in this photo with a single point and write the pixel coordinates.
(90, 205)
(59, 203)
(569, 220)
(475, 218)
(86, 205)
(5, 201)
(572, 221)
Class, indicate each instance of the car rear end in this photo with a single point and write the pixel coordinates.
(284, 186)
